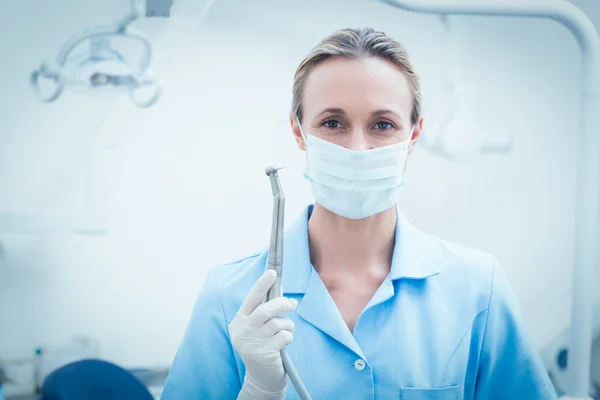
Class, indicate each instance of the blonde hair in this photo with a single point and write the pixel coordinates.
(356, 44)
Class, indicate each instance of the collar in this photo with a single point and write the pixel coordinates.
(412, 257)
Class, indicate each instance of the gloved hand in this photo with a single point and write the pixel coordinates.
(258, 335)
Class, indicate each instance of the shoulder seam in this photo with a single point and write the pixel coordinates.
(460, 342)
(242, 259)
(226, 323)
(487, 317)
(221, 303)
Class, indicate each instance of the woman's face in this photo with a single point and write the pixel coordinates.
(357, 104)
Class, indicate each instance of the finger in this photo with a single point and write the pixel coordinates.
(271, 309)
(275, 325)
(258, 292)
(281, 339)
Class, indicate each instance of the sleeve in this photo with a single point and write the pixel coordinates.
(204, 366)
(509, 365)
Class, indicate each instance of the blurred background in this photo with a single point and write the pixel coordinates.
(111, 214)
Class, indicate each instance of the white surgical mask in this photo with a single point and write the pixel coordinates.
(355, 184)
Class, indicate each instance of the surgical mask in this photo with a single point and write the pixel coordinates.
(355, 184)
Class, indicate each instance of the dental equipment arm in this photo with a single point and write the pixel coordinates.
(100, 51)
(275, 261)
(588, 179)
(158, 8)
(134, 13)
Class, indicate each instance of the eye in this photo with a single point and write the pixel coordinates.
(331, 124)
(383, 125)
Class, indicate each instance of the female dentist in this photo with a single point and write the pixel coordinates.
(372, 308)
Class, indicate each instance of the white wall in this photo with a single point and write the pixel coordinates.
(188, 189)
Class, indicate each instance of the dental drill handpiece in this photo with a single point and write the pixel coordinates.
(275, 258)
(275, 261)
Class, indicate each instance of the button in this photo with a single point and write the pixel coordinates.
(359, 364)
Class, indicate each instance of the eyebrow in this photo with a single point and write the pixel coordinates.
(385, 111)
(333, 111)
(342, 112)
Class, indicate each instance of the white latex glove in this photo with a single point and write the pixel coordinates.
(258, 335)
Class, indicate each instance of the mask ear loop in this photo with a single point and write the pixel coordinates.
(412, 132)
(302, 132)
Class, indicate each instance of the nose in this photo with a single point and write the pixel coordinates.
(358, 141)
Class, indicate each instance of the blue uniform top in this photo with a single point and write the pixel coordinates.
(444, 324)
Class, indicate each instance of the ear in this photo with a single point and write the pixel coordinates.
(415, 136)
(296, 132)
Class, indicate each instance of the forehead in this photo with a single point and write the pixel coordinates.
(358, 86)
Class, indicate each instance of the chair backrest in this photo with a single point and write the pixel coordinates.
(93, 380)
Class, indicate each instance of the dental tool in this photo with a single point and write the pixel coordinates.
(108, 68)
(275, 262)
(587, 229)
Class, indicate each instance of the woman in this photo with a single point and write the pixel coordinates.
(374, 308)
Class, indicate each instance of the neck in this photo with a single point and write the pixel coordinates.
(339, 244)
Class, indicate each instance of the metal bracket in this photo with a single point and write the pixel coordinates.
(158, 8)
